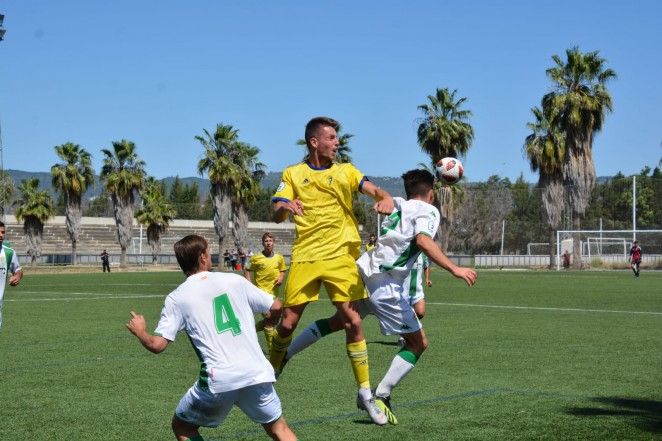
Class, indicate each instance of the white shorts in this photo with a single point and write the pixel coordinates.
(201, 407)
(389, 302)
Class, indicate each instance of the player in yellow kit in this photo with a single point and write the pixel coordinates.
(318, 194)
(268, 269)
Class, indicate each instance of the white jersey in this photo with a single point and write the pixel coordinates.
(396, 251)
(413, 283)
(8, 265)
(216, 311)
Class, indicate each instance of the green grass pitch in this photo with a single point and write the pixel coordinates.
(522, 355)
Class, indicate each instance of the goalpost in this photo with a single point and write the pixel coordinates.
(608, 243)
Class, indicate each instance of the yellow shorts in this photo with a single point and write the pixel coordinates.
(339, 275)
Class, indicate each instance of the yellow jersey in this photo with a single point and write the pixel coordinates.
(328, 227)
(266, 270)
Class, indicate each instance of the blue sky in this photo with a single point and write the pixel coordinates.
(159, 72)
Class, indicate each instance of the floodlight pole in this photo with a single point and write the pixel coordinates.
(2, 166)
(503, 233)
(634, 208)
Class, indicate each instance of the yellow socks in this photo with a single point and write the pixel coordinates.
(278, 350)
(269, 332)
(259, 326)
(358, 356)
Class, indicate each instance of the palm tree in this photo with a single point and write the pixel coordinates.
(343, 155)
(34, 207)
(72, 178)
(156, 214)
(7, 191)
(218, 163)
(545, 150)
(245, 190)
(445, 131)
(581, 100)
(122, 174)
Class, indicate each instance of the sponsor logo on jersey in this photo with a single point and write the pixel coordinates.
(281, 186)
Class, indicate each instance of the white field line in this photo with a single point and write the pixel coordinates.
(541, 308)
(96, 297)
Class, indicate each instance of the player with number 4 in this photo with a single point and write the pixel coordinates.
(216, 312)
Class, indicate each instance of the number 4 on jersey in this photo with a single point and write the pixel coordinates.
(224, 316)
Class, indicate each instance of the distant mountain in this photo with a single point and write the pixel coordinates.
(271, 181)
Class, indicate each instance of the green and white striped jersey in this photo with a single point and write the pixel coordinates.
(396, 251)
(8, 265)
(413, 283)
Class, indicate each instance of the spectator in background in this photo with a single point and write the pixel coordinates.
(635, 257)
(233, 259)
(105, 261)
(242, 260)
(226, 259)
(566, 259)
(372, 240)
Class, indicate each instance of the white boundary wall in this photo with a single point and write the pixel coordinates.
(633, 233)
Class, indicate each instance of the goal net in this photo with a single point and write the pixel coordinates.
(599, 246)
(537, 248)
(607, 248)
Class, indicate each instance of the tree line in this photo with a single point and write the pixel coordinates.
(559, 148)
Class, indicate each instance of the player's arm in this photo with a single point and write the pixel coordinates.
(430, 248)
(383, 200)
(275, 310)
(247, 274)
(263, 303)
(280, 278)
(138, 327)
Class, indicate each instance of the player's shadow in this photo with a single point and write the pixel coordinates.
(645, 414)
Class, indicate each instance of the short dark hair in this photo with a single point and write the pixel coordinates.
(268, 234)
(316, 123)
(188, 251)
(2, 224)
(417, 182)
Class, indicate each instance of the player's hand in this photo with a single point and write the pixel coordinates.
(14, 279)
(428, 282)
(295, 207)
(137, 323)
(466, 274)
(384, 206)
(278, 282)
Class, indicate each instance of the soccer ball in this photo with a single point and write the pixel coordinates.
(449, 170)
